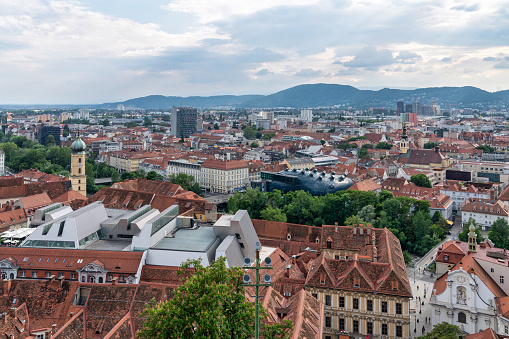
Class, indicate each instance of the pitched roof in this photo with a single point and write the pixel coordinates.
(225, 165)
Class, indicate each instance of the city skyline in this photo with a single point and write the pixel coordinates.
(85, 52)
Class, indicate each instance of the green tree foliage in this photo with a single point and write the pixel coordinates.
(368, 214)
(249, 133)
(254, 145)
(421, 180)
(153, 175)
(210, 304)
(127, 176)
(344, 146)
(216, 125)
(268, 136)
(130, 124)
(253, 201)
(486, 148)
(273, 214)
(463, 236)
(354, 220)
(444, 331)
(50, 141)
(430, 145)
(499, 233)
(185, 181)
(363, 153)
(358, 138)
(105, 122)
(383, 145)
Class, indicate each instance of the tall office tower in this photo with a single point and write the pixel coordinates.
(306, 114)
(417, 107)
(46, 131)
(408, 108)
(403, 117)
(183, 121)
(400, 107)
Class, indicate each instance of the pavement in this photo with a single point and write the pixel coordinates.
(422, 284)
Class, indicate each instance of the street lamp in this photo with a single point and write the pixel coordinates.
(266, 282)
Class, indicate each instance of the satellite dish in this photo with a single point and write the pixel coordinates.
(246, 279)
(247, 261)
(258, 246)
(268, 261)
(266, 279)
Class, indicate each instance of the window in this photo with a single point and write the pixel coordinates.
(446, 257)
(237, 235)
(492, 270)
(60, 274)
(34, 274)
(462, 318)
(398, 308)
(369, 326)
(506, 330)
(356, 326)
(341, 324)
(369, 305)
(355, 303)
(329, 244)
(121, 278)
(328, 322)
(399, 331)
(341, 301)
(327, 300)
(384, 329)
(384, 306)
(501, 279)
(73, 276)
(22, 274)
(79, 261)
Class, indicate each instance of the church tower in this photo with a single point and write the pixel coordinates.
(403, 145)
(472, 239)
(78, 177)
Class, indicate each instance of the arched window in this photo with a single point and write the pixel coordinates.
(79, 188)
(4, 276)
(100, 280)
(329, 243)
(462, 318)
(92, 279)
(79, 181)
(83, 279)
(461, 295)
(79, 170)
(12, 275)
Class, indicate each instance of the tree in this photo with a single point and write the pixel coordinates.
(383, 145)
(254, 145)
(444, 331)
(127, 176)
(216, 126)
(421, 225)
(147, 123)
(50, 141)
(10, 149)
(153, 175)
(322, 142)
(273, 214)
(210, 304)
(463, 236)
(249, 133)
(363, 153)
(105, 122)
(185, 181)
(421, 180)
(486, 148)
(368, 214)
(344, 146)
(499, 233)
(430, 145)
(354, 220)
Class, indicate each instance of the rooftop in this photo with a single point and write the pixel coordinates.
(189, 240)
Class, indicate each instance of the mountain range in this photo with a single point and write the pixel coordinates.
(325, 95)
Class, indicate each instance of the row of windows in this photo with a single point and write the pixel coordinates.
(369, 304)
(369, 327)
(47, 275)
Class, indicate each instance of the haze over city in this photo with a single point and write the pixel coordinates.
(95, 51)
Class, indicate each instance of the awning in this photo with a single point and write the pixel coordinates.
(450, 222)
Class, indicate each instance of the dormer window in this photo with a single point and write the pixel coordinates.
(288, 237)
(446, 257)
(317, 240)
(329, 243)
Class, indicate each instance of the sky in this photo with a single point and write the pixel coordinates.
(95, 51)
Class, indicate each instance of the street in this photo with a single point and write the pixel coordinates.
(422, 284)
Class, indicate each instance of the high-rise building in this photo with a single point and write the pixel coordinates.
(306, 115)
(408, 108)
(183, 121)
(400, 107)
(269, 115)
(46, 131)
(417, 107)
(411, 118)
(402, 117)
(78, 177)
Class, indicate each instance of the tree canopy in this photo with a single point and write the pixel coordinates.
(499, 233)
(421, 180)
(444, 331)
(383, 145)
(463, 236)
(186, 181)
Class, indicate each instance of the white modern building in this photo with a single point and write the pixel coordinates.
(184, 166)
(484, 213)
(306, 115)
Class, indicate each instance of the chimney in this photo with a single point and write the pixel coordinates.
(368, 230)
(336, 227)
(354, 229)
(361, 230)
(375, 254)
(287, 273)
(436, 149)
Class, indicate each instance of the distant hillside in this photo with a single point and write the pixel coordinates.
(160, 101)
(320, 95)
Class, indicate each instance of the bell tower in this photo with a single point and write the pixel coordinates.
(78, 177)
(472, 239)
(403, 144)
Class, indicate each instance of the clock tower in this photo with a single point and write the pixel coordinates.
(78, 177)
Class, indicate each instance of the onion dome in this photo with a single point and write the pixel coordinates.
(78, 146)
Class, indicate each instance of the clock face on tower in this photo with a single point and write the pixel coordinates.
(460, 279)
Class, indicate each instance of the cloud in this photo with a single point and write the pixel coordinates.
(263, 72)
(504, 64)
(465, 8)
(446, 59)
(407, 57)
(371, 58)
(308, 72)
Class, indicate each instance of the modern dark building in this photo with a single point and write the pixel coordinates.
(46, 131)
(314, 182)
(401, 107)
(183, 121)
(408, 108)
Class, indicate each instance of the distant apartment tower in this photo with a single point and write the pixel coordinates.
(306, 115)
(183, 121)
(46, 131)
(417, 107)
(408, 108)
(268, 115)
(411, 118)
(402, 117)
(400, 106)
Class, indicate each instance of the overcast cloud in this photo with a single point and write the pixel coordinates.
(93, 51)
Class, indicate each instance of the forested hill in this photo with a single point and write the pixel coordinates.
(321, 95)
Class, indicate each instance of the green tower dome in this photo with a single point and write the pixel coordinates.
(78, 146)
